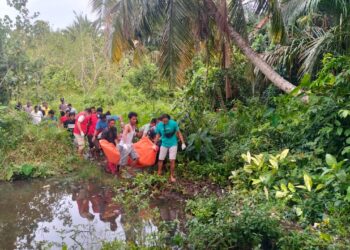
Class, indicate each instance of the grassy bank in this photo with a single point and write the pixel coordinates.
(29, 151)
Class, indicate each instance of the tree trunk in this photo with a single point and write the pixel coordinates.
(252, 56)
(258, 62)
(226, 63)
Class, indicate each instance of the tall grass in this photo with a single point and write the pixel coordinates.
(32, 151)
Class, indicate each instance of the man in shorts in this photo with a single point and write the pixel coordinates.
(81, 129)
(168, 131)
(126, 148)
(95, 114)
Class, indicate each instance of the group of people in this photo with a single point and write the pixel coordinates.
(93, 125)
(43, 113)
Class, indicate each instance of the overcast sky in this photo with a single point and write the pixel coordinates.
(59, 13)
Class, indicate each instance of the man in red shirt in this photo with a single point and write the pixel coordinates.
(95, 114)
(81, 129)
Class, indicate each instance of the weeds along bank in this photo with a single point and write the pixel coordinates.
(28, 151)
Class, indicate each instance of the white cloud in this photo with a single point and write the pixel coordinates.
(59, 13)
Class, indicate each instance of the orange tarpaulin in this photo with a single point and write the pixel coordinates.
(145, 150)
(111, 152)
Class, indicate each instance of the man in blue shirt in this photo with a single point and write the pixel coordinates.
(101, 124)
(115, 117)
(168, 131)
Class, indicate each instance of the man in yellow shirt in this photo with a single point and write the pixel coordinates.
(45, 108)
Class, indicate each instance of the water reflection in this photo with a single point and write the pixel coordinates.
(81, 215)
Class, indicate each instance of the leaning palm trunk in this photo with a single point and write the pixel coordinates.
(263, 66)
(253, 57)
(258, 62)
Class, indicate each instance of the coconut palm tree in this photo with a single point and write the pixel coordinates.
(81, 25)
(185, 24)
(315, 27)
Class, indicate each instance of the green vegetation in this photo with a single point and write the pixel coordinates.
(282, 163)
(28, 151)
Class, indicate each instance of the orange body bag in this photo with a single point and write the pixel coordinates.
(111, 152)
(145, 151)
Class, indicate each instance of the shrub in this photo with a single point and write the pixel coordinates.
(226, 224)
(29, 151)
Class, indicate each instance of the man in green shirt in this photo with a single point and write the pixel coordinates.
(51, 119)
(168, 131)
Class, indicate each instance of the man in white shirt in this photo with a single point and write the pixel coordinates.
(149, 126)
(71, 109)
(37, 115)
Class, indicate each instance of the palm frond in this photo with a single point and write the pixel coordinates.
(272, 8)
(237, 18)
(98, 7)
(293, 9)
(315, 49)
(124, 25)
(80, 25)
(278, 31)
(261, 6)
(143, 20)
(177, 42)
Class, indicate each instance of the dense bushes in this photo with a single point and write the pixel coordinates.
(293, 154)
(12, 124)
(28, 151)
(246, 220)
(232, 222)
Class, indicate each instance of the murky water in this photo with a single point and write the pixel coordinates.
(39, 214)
